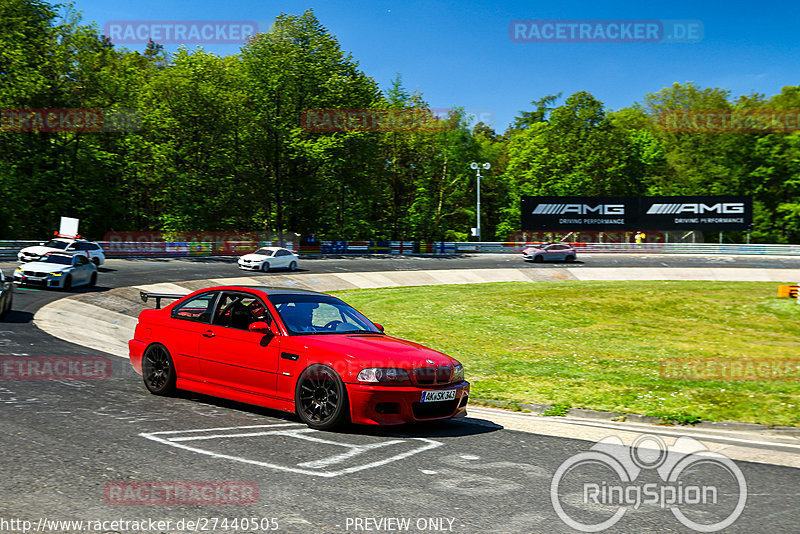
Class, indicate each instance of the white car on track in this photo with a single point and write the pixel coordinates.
(267, 258)
(62, 270)
(90, 249)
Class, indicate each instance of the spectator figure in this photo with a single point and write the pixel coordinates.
(639, 237)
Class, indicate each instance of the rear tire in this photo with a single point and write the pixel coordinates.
(320, 398)
(158, 370)
(293, 266)
(570, 258)
(93, 280)
(96, 261)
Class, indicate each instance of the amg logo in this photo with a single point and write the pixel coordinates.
(674, 209)
(578, 209)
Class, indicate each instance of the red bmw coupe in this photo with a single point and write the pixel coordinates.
(293, 350)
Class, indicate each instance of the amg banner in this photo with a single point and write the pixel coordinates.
(714, 213)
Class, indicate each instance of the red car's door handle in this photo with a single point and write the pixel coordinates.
(208, 333)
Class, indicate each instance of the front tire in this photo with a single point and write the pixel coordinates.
(265, 267)
(321, 398)
(96, 261)
(158, 371)
(67, 283)
(93, 280)
(570, 258)
(538, 258)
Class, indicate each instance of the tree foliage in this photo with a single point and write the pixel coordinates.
(218, 143)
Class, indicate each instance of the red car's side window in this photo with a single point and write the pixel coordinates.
(198, 308)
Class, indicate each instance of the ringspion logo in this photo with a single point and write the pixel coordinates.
(592, 490)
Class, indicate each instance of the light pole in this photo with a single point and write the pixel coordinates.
(477, 167)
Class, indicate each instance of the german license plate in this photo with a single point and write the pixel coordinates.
(438, 395)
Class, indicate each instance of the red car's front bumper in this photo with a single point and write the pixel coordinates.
(396, 405)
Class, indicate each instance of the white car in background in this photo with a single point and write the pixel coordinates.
(61, 270)
(267, 258)
(90, 249)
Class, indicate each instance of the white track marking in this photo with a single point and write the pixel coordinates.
(174, 438)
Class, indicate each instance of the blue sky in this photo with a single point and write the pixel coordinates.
(460, 53)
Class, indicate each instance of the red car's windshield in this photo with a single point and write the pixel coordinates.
(319, 314)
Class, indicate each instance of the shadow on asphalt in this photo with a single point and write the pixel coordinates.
(17, 317)
(469, 426)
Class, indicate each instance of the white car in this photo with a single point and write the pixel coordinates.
(90, 249)
(267, 258)
(61, 270)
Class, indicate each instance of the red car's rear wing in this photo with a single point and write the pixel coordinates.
(158, 296)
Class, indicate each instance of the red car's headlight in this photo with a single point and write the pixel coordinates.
(458, 372)
(383, 375)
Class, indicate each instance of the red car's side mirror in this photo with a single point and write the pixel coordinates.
(262, 327)
(380, 326)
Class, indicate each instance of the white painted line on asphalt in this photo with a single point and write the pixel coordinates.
(312, 467)
(220, 429)
(354, 451)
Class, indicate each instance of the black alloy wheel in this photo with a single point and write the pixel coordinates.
(321, 398)
(158, 371)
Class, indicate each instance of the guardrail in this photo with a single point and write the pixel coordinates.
(134, 249)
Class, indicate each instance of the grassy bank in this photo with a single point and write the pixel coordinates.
(599, 345)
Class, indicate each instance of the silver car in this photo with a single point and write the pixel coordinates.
(60, 270)
(549, 252)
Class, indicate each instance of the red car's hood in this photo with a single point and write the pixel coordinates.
(378, 350)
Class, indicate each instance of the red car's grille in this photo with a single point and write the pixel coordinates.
(430, 376)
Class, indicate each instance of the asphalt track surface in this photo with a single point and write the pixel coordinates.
(66, 446)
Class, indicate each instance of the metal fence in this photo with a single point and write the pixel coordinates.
(134, 249)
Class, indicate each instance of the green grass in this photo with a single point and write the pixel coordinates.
(598, 345)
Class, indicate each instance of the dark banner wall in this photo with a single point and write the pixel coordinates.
(709, 213)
